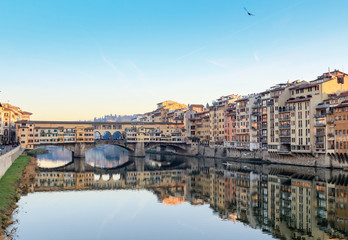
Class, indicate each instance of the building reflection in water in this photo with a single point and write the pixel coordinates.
(284, 202)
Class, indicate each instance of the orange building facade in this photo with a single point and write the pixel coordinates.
(341, 127)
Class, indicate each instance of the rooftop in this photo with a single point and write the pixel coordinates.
(299, 100)
(98, 123)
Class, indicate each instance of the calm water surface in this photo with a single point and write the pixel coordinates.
(109, 195)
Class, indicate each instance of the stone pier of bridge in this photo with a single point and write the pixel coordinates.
(139, 150)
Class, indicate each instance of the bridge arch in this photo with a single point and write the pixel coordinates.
(106, 135)
(97, 135)
(167, 146)
(113, 143)
(116, 135)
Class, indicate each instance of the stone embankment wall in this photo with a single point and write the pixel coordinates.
(228, 153)
(8, 158)
(312, 160)
(298, 159)
(315, 160)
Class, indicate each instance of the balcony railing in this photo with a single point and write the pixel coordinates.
(320, 134)
(321, 106)
(320, 116)
(283, 110)
(285, 141)
(284, 119)
(244, 145)
(284, 126)
(284, 134)
(319, 124)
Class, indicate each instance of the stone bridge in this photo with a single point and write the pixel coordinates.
(135, 149)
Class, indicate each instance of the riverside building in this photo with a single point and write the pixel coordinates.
(10, 114)
(292, 113)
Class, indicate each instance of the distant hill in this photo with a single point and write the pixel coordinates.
(117, 118)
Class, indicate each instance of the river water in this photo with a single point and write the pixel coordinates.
(109, 195)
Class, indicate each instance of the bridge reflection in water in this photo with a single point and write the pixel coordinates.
(283, 201)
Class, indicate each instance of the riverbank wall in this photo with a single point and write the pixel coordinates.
(299, 159)
(8, 158)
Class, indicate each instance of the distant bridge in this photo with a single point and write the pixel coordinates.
(136, 149)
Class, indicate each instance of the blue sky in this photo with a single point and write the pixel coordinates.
(71, 60)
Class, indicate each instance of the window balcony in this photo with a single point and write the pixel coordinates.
(319, 124)
(320, 134)
(284, 126)
(284, 119)
(285, 141)
(256, 106)
(285, 110)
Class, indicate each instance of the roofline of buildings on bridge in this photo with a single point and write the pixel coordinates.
(91, 122)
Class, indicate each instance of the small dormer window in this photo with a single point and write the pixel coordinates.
(340, 79)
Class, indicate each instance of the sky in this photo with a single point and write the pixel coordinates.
(76, 60)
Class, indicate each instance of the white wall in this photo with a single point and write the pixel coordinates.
(7, 159)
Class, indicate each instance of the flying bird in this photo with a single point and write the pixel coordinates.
(249, 13)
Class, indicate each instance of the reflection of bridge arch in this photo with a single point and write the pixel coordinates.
(106, 135)
(80, 165)
(105, 177)
(71, 163)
